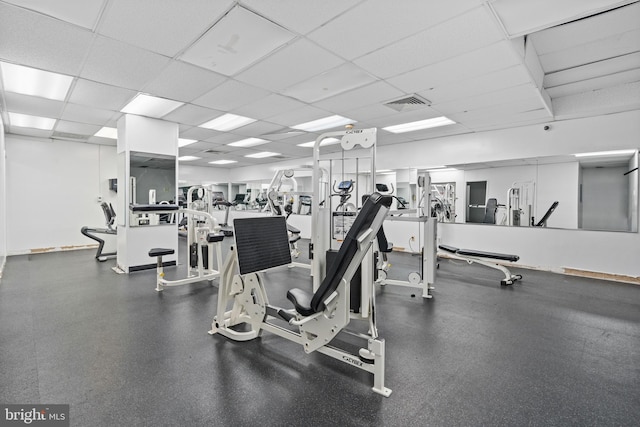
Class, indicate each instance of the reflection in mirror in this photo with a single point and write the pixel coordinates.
(152, 181)
(594, 191)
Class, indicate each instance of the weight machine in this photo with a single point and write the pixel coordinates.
(424, 278)
(318, 317)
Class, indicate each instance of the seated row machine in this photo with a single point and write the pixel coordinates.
(261, 243)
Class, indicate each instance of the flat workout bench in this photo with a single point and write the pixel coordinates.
(482, 257)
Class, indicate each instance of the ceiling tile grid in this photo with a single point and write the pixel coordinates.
(286, 62)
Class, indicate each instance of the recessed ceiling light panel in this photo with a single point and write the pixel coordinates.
(151, 106)
(27, 121)
(324, 123)
(30, 81)
(188, 158)
(222, 162)
(183, 142)
(420, 125)
(107, 132)
(249, 142)
(227, 122)
(262, 155)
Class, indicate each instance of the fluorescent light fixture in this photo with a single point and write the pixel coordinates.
(262, 155)
(384, 171)
(249, 142)
(27, 121)
(107, 132)
(227, 122)
(30, 81)
(419, 125)
(188, 158)
(325, 123)
(326, 141)
(151, 106)
(222, 162)
(183, 142)
(606, 153)
(442, 170)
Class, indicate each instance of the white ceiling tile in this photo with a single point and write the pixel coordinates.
(37, 133)
(99, 95)
(383, 22)
(466, 33)
(192, 115)
(230, 95)
(102, 141)
(222, 138)
(198, 133)
(258, 128)
(369, 112)
(119, 64)
(268, 106)
(329, 83)
(84, 114)
(597, 83)
(512, 76)
(497, 113)
(300, 16)
(496, 98)
(76, 128)
(183, 82)
(292, 64)
(587, 30)
(521, 17)
(55, 46)
(590, 71)
(84, 13)
(238, 40)
(581, 54)
(375, 93)
(25, 104)
(164, 27)
(615, 99)
(482, 61)
(299, 115)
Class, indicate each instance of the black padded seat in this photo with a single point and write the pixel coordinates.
(213, 237)
(448, 248)
(492, 255)
(154, 208)
(156, 252)
(301, 301)
(306, 303)
(384, 245)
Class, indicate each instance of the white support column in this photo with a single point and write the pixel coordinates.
(141, 138)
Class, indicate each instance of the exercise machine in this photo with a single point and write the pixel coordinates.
(316, 318)
(281, 196)
(520, 204)
(547, 214)
(424, 277)
(203, 237)
(91, 232)
(488, 259)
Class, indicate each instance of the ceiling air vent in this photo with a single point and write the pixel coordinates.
(410, 102)
(67, 135)
(215, 152)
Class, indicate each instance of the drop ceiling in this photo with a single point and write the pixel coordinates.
(486, 64)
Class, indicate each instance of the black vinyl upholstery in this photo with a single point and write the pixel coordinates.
(490, 211)
(300, 298)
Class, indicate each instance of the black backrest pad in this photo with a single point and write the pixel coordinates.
(349, 248)
(261, 243)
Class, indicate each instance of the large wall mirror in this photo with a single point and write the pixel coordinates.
(593, 191)
(153, 178)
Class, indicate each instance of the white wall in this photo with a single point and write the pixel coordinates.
(3, 200)
(558, 182)
(605, 199)
(53, 188)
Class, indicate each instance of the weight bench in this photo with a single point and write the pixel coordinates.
(262, 243)
(484, 258)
